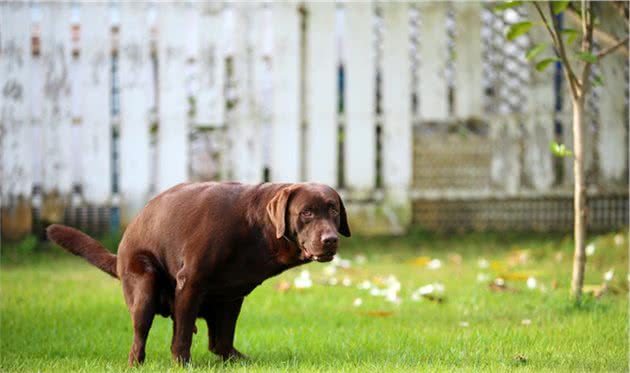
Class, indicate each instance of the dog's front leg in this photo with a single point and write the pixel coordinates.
(187, 299)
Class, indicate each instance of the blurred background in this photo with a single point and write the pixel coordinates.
(421, 115)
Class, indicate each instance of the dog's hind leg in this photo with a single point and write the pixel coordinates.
(141, 297)
(212, 328)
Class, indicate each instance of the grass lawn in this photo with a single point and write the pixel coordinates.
(60, 314)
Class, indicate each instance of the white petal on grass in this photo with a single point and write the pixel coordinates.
(439, 287)
(375, 292)
(330, 270)
(426, 289)
(618, 239)
(499, 281)
(483, 263)
(434, 264)
(360, 259)
(590, 249)
(483, 277)
(333, 281)
(346, 281)
(415, 296)
(532, 283)
(608, 276)
(365, 285)
(526, 322)
(392, 297)
(357, 302)
(464, 324)
(303, 280)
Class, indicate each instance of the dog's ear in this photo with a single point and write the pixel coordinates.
(277, 209)
(344, 228)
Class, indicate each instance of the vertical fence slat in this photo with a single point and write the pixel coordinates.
(613, 115)
(36, 94)
(15, 101)
(432, 85)
(173, 106)
(359, 98)
(397, 139)
(285, 148)
(539, 123)
(95, 59)
(210, 104)
(468, 61)
(505, 165)
(57, 102)
(244, 127)
(136, 91)
(321, 104)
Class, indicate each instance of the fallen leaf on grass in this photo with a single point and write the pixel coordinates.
(454, 258)
(421, 260)
(379, 313)
(520, 358)
(498, 266)
(517, 257)
(283, 286)
(596, 290)
(516, 276)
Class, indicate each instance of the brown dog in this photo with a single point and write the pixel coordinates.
(197, 249)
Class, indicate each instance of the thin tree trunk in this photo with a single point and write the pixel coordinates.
(579, 198)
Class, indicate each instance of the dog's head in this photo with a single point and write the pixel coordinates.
(311, 215)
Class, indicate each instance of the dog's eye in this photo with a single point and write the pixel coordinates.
(307, 213)
(333, 211)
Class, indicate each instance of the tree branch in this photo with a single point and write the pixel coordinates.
(601, 35)
(612, 48)
(574, 83)
(587, 42)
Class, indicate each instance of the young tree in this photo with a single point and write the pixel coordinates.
(576, 65)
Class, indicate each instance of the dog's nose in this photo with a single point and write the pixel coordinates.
(330, 240)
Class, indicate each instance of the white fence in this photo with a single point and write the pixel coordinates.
(114, 103)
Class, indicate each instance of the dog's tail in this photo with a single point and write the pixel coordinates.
(80, 244)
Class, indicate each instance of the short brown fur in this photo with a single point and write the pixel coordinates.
(197, 249)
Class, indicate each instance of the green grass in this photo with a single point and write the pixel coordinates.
(60, 314)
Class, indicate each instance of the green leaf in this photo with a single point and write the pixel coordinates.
(559, 6)
(518, 29)
(506, 5)
(571, 34)
(560, 150)
(587, 56)
(543, 64)
(535, 51)
(597, 81)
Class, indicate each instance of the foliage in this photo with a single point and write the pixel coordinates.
(560, 150)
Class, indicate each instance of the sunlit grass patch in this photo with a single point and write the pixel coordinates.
(60, 314)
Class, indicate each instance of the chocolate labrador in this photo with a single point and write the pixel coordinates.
(197, 249)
